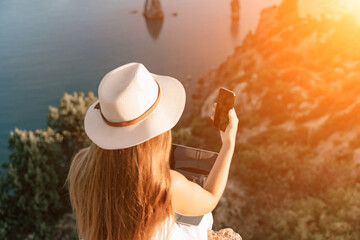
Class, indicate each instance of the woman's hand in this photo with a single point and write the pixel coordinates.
(228, 137)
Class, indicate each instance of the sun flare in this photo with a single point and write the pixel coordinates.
(334, 9)
(353, 4)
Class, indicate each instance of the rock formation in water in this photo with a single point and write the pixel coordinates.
(153, 10)
(154, 27)
(235, 10)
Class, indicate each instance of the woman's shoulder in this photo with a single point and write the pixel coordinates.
(177, 179)
(176, 176)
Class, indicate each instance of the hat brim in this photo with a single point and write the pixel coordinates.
(165, 116)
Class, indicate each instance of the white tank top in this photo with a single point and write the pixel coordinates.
(171, 230)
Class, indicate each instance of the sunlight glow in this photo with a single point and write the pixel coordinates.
(333, 9)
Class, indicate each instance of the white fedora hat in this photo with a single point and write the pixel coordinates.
(134, 105)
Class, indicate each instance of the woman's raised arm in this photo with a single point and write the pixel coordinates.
(189, 198)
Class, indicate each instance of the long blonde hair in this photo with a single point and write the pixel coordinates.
(123, 193)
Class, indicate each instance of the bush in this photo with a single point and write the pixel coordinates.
(334, 215)
(33, 196)
(284, 171)
(68, 120)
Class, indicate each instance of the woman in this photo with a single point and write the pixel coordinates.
(121, 187)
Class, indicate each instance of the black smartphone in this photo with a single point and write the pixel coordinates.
(225, 102)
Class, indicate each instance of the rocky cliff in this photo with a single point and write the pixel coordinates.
(297, 86)
(299, 76)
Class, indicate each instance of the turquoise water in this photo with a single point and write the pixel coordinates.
(51, 47)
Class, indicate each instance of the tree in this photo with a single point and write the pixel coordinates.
(32, 193)
(68, 120)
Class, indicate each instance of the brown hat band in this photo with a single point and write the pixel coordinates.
(133, 121)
